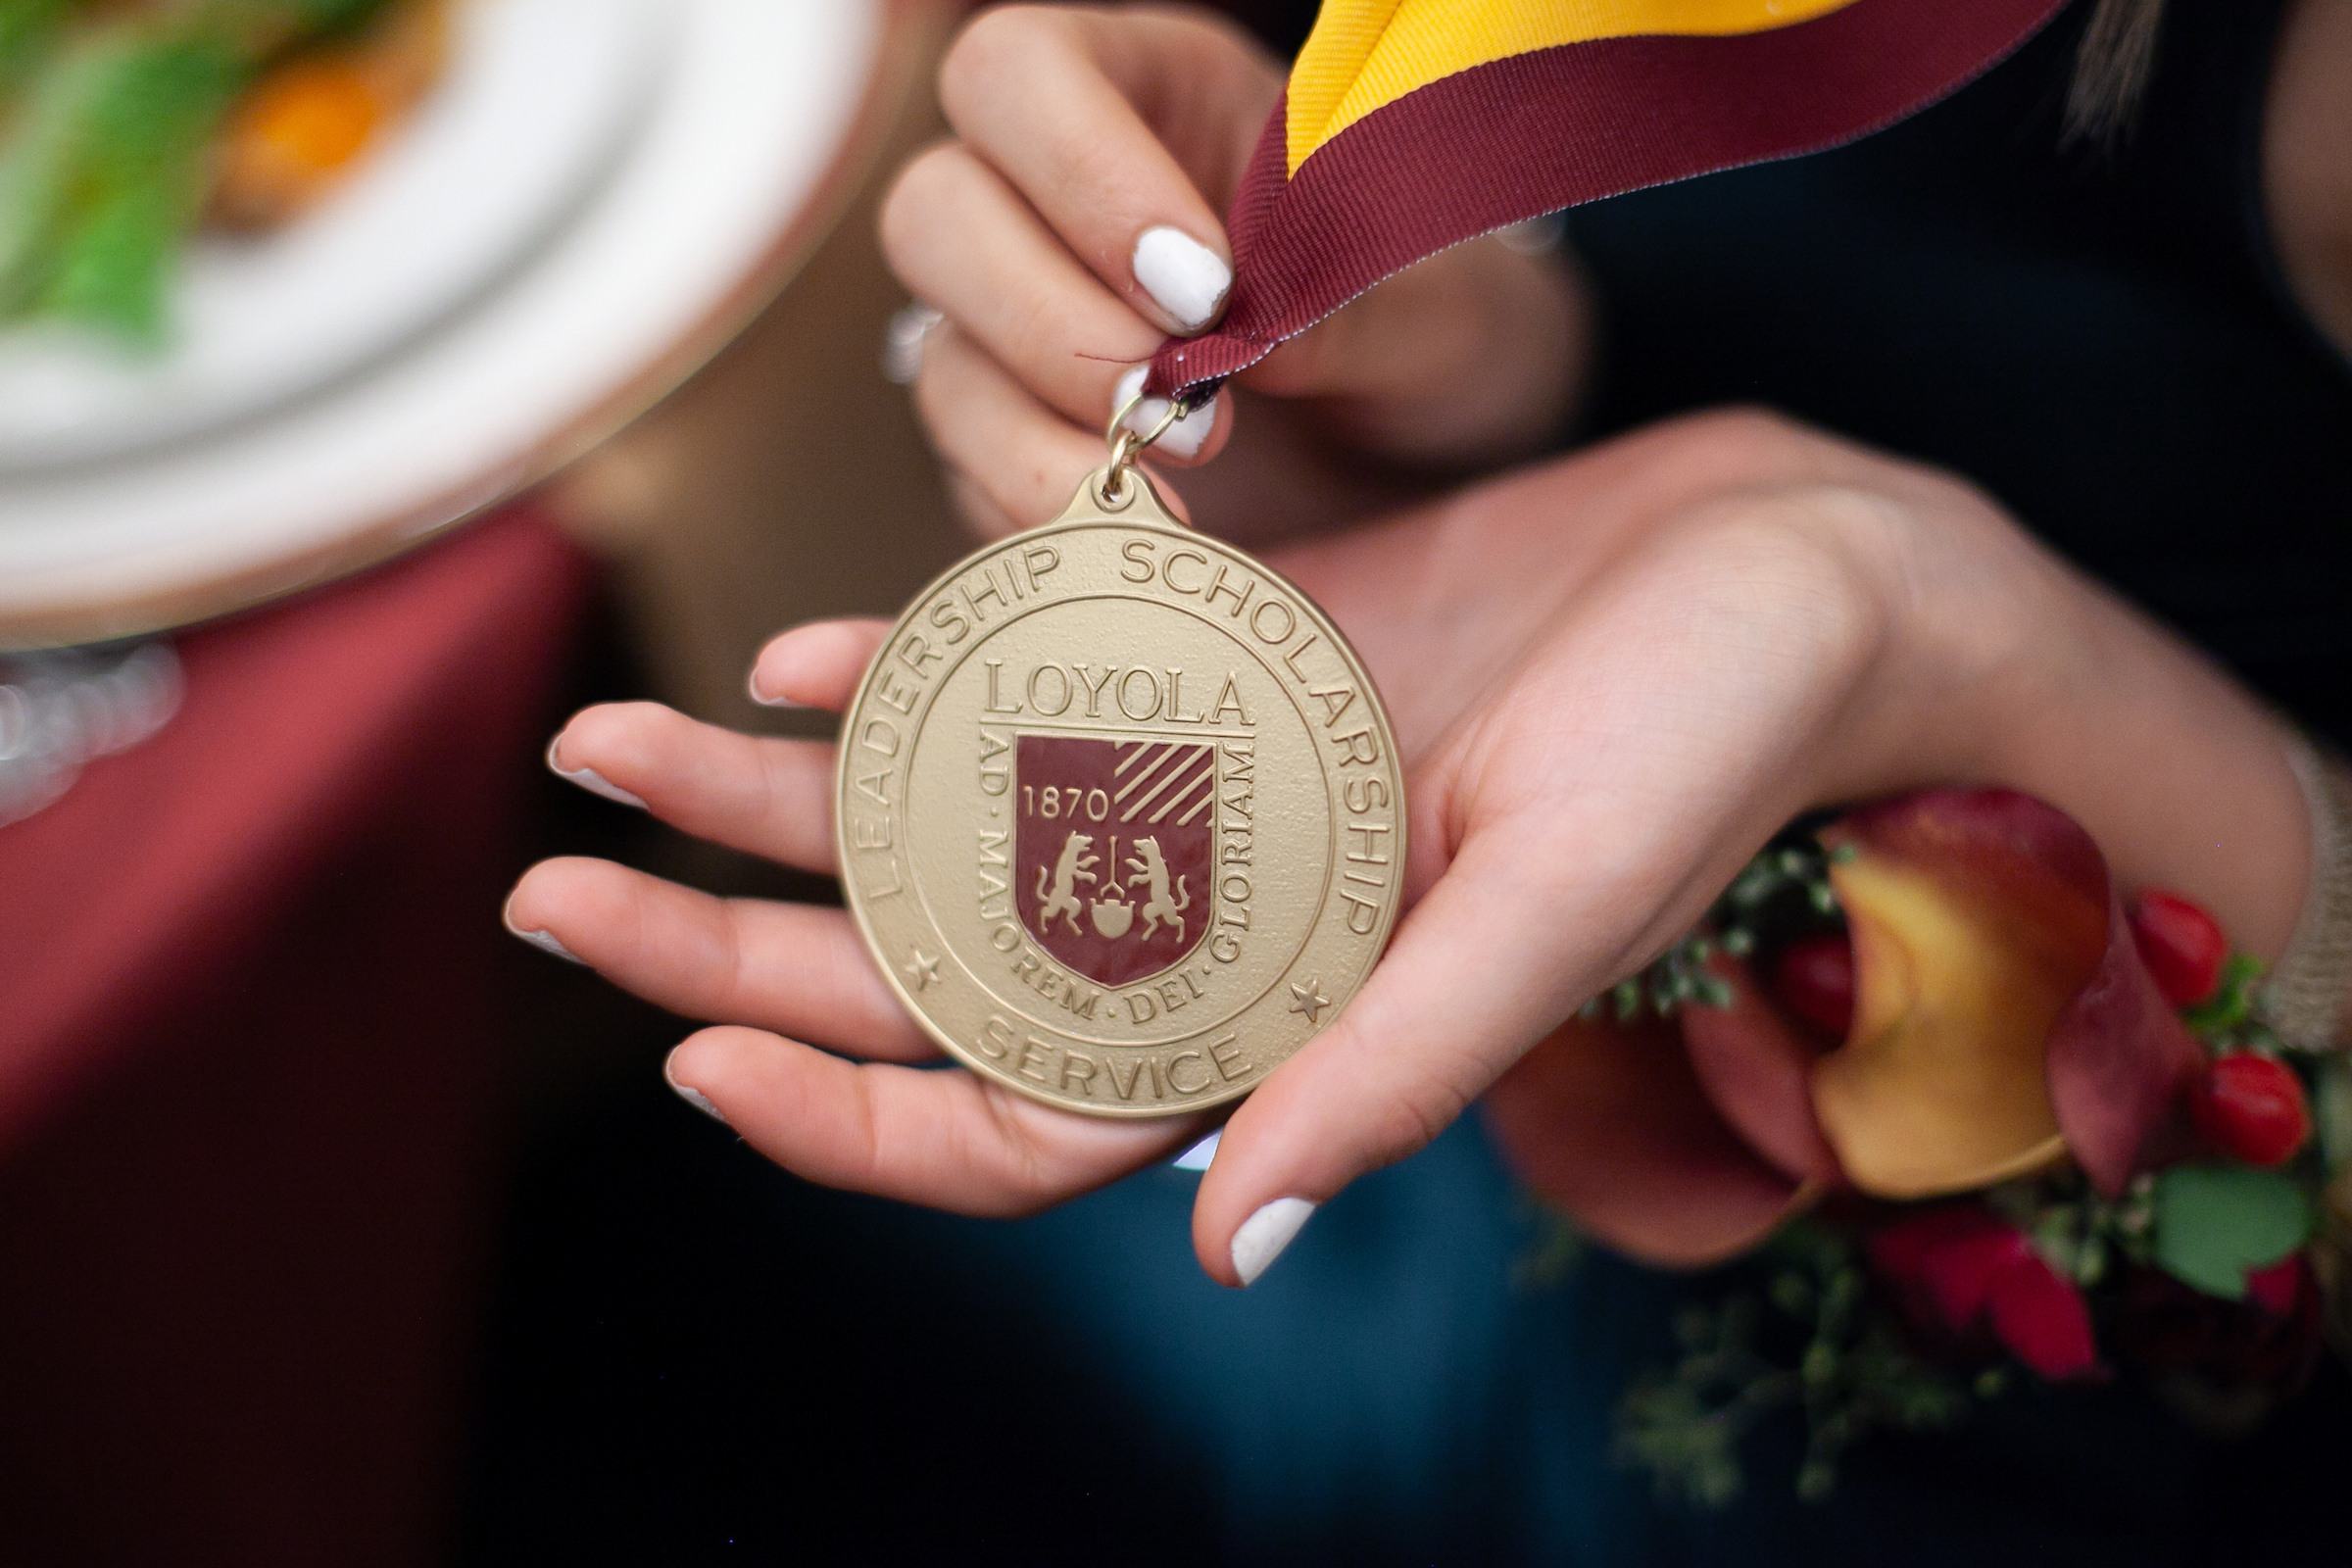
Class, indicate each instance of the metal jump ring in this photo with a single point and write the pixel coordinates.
(1125, 443)
(1177, 410)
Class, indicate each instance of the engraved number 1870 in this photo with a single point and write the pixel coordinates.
(1057, 802)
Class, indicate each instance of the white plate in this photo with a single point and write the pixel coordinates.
(538, 100)
(748, 113)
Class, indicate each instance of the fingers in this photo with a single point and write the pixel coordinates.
(769, 796)
(816, 665)
(1021, 458)
(1392, 1072)
(782, 967)
(979, 512)
(941, 1137)
(1066, 234)
(1075, 222)
(964, 243)
(1111, 126)
(1471, 356)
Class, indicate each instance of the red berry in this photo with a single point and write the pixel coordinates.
(2277, 1289)
(1813, 979)
(2251, 1109)
(2180, 944)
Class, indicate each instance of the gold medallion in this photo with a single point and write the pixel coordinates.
(1119, 811)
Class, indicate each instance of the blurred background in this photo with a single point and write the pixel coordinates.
(461, 363)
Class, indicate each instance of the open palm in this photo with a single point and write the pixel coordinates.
(1612, 677)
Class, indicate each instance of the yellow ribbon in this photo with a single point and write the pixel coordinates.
(1364, 54)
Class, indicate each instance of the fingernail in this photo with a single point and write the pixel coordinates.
(1264, 1234)
(1183, 277)
(752, 685)
(693, 1096)
(903, 342)
(589, 779)
(1184, 437)
(1201, 1153)
(544, 941)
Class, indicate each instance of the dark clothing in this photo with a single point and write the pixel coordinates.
(2099, 338)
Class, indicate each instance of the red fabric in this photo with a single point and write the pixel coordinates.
(1532, 134)
(247, 1063)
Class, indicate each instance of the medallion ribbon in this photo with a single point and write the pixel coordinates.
(1410, 125)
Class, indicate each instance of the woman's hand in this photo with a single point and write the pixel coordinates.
(866, 1116)
(1612, 676)
(1073, 223)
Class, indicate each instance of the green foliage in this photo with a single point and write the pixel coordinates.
(335, 16)
(105, 176)
(1801, 1330)
(104, 165)
(1783, 892)
(2075, 1229)
(1804, 1336)
(28, 28)
(2214, 1223)
(1677, 976)
(2231, 1019)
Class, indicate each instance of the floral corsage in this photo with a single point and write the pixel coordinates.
(1974, 1113)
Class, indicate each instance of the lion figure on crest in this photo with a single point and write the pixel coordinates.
(1074, 867)
(1162, 908)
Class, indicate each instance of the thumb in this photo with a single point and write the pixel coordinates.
(1394, 1070)
(1474, 350)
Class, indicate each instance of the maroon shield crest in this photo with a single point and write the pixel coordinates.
(1112, 850)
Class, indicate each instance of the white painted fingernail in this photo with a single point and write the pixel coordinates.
(903, 342)
(589, 779)
(539, 939)
(1264, 1234)
(1184, 437)
(1183, 277)
(752, 685)
(545, 941)
(1200, 1155)
(693, 1096)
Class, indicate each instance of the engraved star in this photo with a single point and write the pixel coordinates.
(920, 970)
(1308, 999)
